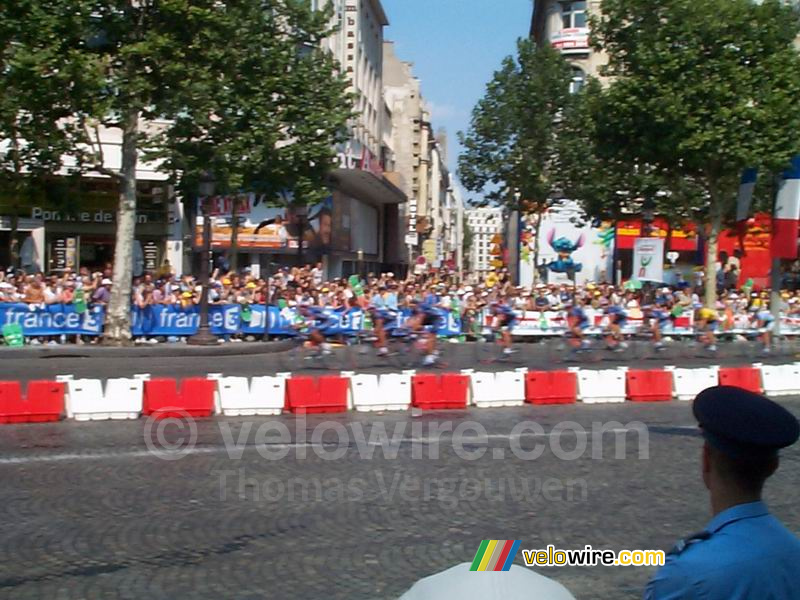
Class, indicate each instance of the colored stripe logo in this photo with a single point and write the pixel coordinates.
(495, 555)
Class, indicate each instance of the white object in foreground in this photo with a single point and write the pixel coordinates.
(459, 582)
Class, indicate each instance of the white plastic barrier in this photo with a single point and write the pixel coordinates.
(780, 380)
(261, 396)
(373, 393)
(605, 386)
(687, 383)
(86, 401)
(506, 388)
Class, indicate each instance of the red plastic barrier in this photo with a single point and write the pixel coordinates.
(649, 386)
(748, 378)
(551, 387)
(44, 402)
(432, 392)
(162, 398)
(327, 394)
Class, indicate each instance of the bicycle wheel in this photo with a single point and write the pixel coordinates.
(485, 350)
(292, 360)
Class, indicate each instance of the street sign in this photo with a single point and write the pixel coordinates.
(412, 239)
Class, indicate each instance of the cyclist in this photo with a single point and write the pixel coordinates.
(424, 317)
(310, 320)
(660, 316)
(382, 317)
(617, 317)
(578, 323)
(707, 323)
(504, 320)
(765, 323)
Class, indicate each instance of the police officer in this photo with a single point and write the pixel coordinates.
(744, 552)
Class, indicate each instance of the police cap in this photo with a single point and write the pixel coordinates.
(743, 424)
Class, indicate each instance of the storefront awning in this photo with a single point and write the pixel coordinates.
(367, 187)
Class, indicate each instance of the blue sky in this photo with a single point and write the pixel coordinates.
(455, 45)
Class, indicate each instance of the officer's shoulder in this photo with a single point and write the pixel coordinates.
(694, 541)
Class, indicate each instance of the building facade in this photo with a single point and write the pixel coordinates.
(69, 223)
(354, 229)
(487, 226)
(427, 222)
(565, 25)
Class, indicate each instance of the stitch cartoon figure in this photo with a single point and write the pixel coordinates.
(564, 248)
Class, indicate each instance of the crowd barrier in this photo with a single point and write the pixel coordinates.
(198, 397)
(231, 319)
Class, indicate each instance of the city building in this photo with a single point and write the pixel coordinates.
(428, 226)
(487, 226)
(69, 223)
(357, 228)
(565, 25)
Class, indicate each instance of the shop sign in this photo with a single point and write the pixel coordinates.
(99, 216)
(150, 251)
(574, 39)
(64, 253)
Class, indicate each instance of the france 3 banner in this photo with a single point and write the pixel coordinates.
(170, 320)
(52, 319)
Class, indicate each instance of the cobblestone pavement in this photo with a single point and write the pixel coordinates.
(90, 513)
(550, 355)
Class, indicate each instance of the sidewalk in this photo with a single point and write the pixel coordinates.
(156, 350)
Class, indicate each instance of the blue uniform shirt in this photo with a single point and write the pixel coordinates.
(743, 554)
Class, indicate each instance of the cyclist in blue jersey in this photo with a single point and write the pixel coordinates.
(765, 323)
(504, 320)
(578, 323)
(424, 318)
(381, 316)
(617, 317)
(660, 316)
(312, 318)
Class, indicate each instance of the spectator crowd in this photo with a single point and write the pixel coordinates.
(294, 286)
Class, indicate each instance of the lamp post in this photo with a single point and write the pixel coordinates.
(360, 263)
(204, 337)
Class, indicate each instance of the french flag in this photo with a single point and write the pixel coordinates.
(745, 199)
(786, 219)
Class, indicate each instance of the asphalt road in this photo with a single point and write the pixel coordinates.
(90, 513)
(545, 356)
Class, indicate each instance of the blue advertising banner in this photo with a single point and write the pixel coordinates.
(52, 319)
(171, 320)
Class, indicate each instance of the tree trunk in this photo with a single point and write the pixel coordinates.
(536, 232)
(712, 249)
(118, 323)
(233, 255)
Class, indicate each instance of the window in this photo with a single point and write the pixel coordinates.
(573, 14)
(578, 80)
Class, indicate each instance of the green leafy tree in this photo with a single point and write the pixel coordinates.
(701, 90)
(509, 148)
(270, 120)
(138, 68)
(609, 185)
(31, 148)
